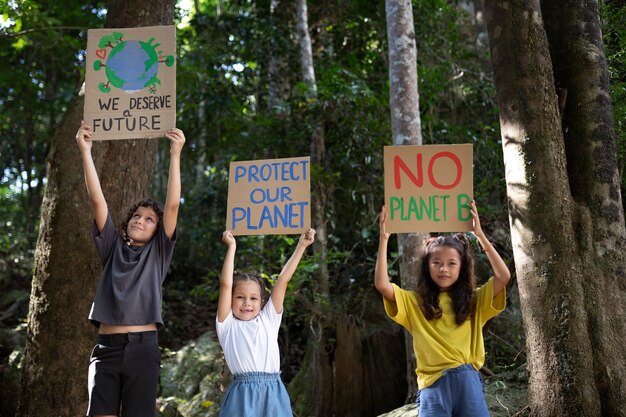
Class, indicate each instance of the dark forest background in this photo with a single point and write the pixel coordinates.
(231, 109)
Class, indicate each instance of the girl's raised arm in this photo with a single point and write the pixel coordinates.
(501, 274)
(280, 288)
(224, 303)
(381, 275)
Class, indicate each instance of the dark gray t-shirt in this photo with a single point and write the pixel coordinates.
(130, 288)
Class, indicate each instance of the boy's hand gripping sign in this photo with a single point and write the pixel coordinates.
(130, 82)
(428, 188)
(271, 196)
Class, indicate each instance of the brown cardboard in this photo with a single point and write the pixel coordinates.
(428, 188)
(130, 82)
(269, 196)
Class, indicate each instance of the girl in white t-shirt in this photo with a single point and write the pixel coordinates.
(247, 328)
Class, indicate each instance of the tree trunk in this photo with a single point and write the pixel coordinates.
(353, 375)
(54, 379)
(567, 224)
(334, 379)
(406, 130)
(319, 384)
(318, 149)
(582, 81)
(367, 382)
(278, 85)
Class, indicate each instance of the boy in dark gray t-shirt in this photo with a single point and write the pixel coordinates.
(135, 272)
(124, 365)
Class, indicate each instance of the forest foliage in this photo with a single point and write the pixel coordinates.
(223, 107)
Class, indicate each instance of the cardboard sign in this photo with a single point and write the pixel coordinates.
(428, 188)
(271, 196)
(130, 82)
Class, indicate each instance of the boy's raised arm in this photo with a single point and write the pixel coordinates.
(94, 189)
(172, 201)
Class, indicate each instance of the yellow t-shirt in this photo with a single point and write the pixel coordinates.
(441, 344)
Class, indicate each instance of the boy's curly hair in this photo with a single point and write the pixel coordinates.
(240, 276)
(146, 202)
(462, 291)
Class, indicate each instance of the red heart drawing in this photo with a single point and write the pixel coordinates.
(101, 53)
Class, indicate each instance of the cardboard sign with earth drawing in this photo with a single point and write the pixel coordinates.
(130, 82)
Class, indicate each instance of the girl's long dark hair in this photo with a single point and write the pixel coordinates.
(147, 202)
(239, 276)
(462, 291)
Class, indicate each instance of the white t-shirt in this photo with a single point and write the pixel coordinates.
(251, 346)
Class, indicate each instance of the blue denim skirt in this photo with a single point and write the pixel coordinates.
(256, 394)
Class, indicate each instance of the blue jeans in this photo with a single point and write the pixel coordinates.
(458, 393)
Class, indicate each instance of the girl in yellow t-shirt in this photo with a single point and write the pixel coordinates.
(445, 317)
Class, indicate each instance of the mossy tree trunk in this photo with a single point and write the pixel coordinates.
(567, 221)
(60, 338)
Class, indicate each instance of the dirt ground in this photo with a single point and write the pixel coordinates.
(506, 396)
